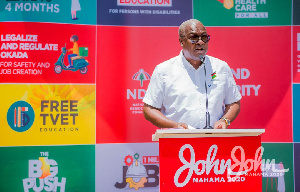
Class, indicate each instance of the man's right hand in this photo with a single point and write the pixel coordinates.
(155, 116)
(182, 125)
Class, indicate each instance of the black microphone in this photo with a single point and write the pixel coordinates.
(207, 116)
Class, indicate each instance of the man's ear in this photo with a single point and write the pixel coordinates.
(181, 42)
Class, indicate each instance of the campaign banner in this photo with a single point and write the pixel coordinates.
(119, 95)
(119, 105)
(211, 165)
(48, 168)
(47, 114)
(257, 68)
(296, 112)
(297, 165)
(127, 167)
(278, 174)
(296, 54)
(56, 11)
(143, 12)
(296, 12)
(42, 53)
(243, 12)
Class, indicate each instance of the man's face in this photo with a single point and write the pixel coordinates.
(193, 50)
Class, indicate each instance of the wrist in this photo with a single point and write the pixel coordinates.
(227, 121)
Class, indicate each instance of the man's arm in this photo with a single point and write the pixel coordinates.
(155, 116)
(231, 112)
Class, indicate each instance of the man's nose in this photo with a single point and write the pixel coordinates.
(200, 42)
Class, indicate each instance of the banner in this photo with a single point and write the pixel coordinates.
(47, 114)
(296, 13)
(210, 166)
(56, 11)
(31, 54)
(296, 112)
(278, 175)
(119, 95)
(296, 54)
(128, 167)
(262, 106)
(257, 69)
(143, 12)
(297, 165)
(47, 168)
(243, 12)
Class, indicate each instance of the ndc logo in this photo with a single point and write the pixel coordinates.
(20, 116)
(213, 75)
(139, 175)
(41, 175)
(158, 3)
(141, 76)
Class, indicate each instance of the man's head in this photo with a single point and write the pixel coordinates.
(193, 39)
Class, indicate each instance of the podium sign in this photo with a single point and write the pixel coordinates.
(212, 164)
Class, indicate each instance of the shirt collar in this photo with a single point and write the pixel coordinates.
(187, 64)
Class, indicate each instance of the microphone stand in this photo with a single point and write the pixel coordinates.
(207, 116)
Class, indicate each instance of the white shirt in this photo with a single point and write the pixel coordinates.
(178, 89)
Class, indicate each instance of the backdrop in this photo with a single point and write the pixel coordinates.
(67, 130)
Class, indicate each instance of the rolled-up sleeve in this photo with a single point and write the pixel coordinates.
(155, 93)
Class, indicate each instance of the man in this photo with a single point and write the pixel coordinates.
(176, 95)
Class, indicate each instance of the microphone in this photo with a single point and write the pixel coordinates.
(207, 116)
(202, 58)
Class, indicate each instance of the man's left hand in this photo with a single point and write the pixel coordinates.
(221, 124)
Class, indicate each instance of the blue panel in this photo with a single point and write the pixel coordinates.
(296, 112)
(145, 13)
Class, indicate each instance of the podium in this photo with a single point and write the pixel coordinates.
(212, 160)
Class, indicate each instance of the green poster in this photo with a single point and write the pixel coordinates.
(48, 168)
(278, 156)
(243, 12)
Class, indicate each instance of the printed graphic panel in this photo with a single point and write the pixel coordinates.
(208, 164)
(264, 78)
(69, 11)
(39, 53)
(47, 114)
(296, 12)
(251, 53)
(123, 77)
(243, 12)
(296, 112)
(297, 165)
(60, 168)
(143, 12)
(296, 54)
(278, 163)
(127, 167)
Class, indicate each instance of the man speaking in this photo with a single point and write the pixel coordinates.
(183, 89)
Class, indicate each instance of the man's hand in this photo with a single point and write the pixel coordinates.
(155, 116)
(231, 111)
(182, 125)
(221, 124)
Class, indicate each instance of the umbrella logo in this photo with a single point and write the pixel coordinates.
(141, 76)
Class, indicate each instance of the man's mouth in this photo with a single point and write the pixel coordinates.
(199, 49)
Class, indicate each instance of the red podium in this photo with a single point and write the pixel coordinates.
(210, 160)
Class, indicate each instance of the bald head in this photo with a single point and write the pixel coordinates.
(186, 25)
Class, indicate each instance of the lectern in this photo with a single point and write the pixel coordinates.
(210, 160)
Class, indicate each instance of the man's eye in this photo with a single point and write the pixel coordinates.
(194, 37)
